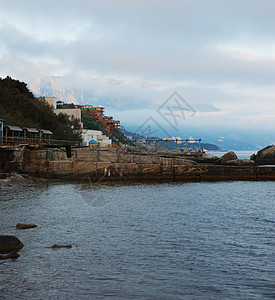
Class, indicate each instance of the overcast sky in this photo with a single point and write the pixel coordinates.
(130, 56)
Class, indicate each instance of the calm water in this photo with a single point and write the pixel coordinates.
(141, 241)
(245, 154)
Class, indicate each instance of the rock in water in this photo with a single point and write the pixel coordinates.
(12, 255)
(228, 156)
(55, 246)
(9, 243)
(25, 226)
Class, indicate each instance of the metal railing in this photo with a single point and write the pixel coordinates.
(18, 140)
(162, 145)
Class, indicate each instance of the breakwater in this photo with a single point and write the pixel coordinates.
(110, 164)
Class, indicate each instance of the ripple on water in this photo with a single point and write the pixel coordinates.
(165, 241)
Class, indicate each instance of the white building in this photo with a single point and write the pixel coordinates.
(91, 137)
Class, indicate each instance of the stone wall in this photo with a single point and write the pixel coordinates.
(109, 164)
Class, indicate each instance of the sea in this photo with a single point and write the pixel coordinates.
(241, 154)
(200, 240)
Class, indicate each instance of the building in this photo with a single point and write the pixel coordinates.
(31, 135)
(59, 103)
(95, 137)
(50, 100)
(98, 114)
(45, 134)
(13, 134)
(73, 113)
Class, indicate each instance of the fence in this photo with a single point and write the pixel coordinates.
(165, 145)
(36, 141)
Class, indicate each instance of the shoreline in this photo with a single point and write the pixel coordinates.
(98, 165)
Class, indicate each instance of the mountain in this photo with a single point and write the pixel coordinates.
(48, 86)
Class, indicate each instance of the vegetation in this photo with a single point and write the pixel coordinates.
(65, 105)
(116, 135)
(89, 122)
(19, 107)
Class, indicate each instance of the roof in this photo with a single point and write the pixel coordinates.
(45, 131)
(2, 120)
(14, 128)
(32, 130)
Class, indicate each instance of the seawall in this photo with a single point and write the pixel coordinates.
(109, 165)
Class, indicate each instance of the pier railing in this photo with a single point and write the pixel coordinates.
(17, 141)
(165, 145)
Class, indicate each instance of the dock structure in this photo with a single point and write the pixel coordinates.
(166, 145)
(15, 136)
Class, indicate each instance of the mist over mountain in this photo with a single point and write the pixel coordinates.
(47, 86)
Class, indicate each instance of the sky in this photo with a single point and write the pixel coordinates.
(202, 68)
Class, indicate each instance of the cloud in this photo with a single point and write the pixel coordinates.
(132, 55)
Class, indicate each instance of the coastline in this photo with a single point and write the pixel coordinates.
(111, 165)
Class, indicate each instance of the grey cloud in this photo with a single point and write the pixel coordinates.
(116, 49)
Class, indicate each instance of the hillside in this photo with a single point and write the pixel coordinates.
(19, 107)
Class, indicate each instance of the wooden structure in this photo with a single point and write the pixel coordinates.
(45, 134)
(1, 130)
(13, 134)
(31, 135)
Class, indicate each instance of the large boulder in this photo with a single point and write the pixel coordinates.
(265, 156)
(228, 156)
(9, 243)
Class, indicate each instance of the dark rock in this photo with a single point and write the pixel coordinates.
(253, 156)
(240, 162)
(25, 226)
(206, 158)
(55, 246)
(228, 156)
(266, 155)
(9, 243)
(3, 175)
(11, 255)
(218, 162)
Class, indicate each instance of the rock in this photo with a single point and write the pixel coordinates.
(55, 246)
(206, 158)
(9, 243)
(228, 156)
(25, 226)
(11, 255)
(240, 162)
(266, 155)
(253, 156)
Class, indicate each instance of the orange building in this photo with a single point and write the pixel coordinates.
(98, 114)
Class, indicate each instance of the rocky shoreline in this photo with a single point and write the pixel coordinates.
(112, 165)
(14, 178)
